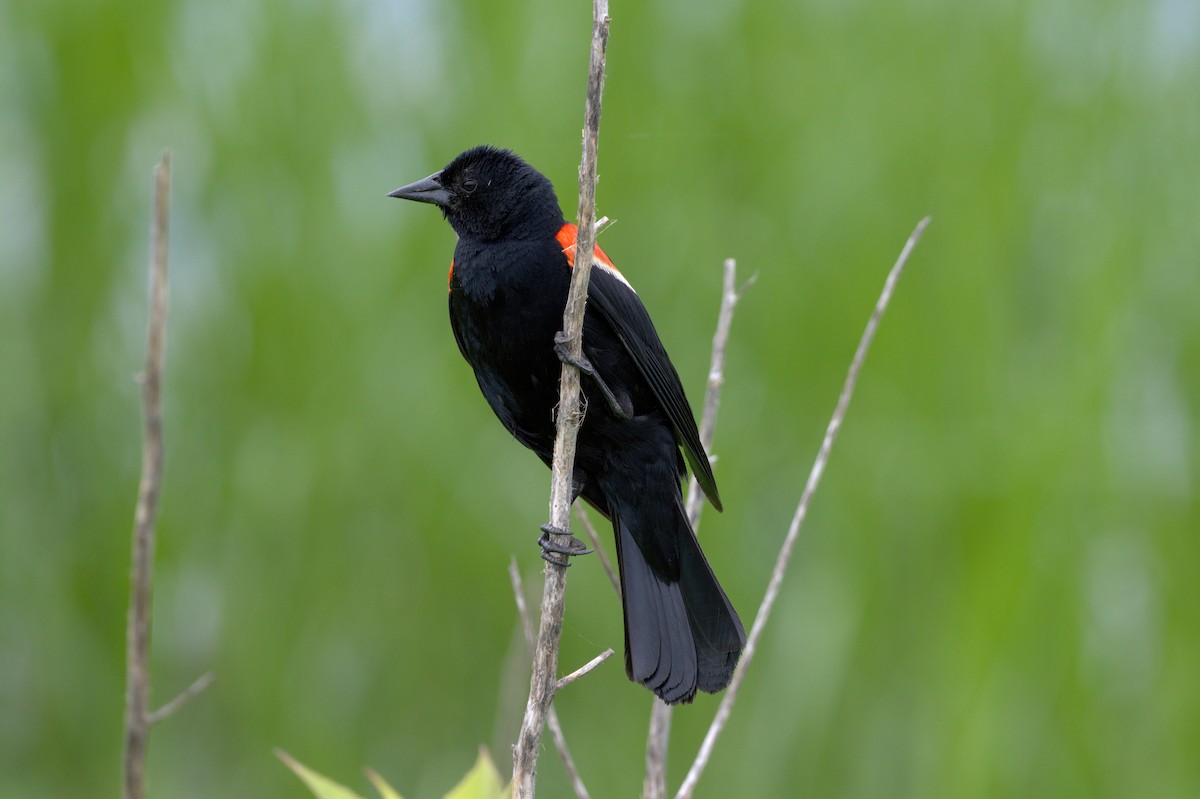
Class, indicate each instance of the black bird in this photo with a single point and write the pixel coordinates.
(508, 285)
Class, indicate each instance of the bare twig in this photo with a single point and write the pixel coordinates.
(514, 577)
(563, 682)
(188, 694)
(138, 716)
(730, 294)
(785, 552)
(581, 515)
(560, 740)
(141, 578)
(570, 416)
(594, 538)
(654, 786)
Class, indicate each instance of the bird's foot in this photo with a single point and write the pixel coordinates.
(562, 350)
(580, 362)
(560, 554)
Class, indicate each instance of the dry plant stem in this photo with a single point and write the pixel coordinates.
(138, 716)
(583, 670)
(560, 740)
(189, 693)
(785, 552)
(545, 658)
(730, 294)
(141, 578)
(594, 537)
(654, 786)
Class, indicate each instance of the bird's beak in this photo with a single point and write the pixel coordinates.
(429, 190)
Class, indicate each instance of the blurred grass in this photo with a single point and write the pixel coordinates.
(995, 593)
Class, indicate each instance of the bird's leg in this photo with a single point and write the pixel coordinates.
(573, 546)
(619, 409)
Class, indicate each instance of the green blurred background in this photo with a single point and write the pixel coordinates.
(996, 591)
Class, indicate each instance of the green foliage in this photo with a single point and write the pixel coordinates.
(483, 781)
(322, 787)
(385, 791)
(995, 593)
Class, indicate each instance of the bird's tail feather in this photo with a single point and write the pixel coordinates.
(681, 631)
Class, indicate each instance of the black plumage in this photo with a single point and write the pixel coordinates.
(508, 285)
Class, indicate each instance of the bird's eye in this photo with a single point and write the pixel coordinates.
(469, 185)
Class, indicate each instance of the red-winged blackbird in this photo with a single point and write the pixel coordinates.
(508, 285)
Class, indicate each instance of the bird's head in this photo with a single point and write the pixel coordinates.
(486, 193)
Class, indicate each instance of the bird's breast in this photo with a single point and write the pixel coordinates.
(506, 305)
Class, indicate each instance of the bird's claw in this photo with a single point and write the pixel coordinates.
(560, 554)
(562, 350)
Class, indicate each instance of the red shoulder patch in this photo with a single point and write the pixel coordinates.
(566, 236)
(450, 277)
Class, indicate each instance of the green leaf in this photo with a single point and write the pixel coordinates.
(322, 787)
(386, 791)
(483, 781)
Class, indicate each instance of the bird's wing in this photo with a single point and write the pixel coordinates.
(611, 295)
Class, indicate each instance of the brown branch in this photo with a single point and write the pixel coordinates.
(560, 740)
(654, 786)
(138, 716)
(570, 416)
(141, 578)
(810, 487)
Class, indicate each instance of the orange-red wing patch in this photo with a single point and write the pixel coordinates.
(566, 237)
(450, 277)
